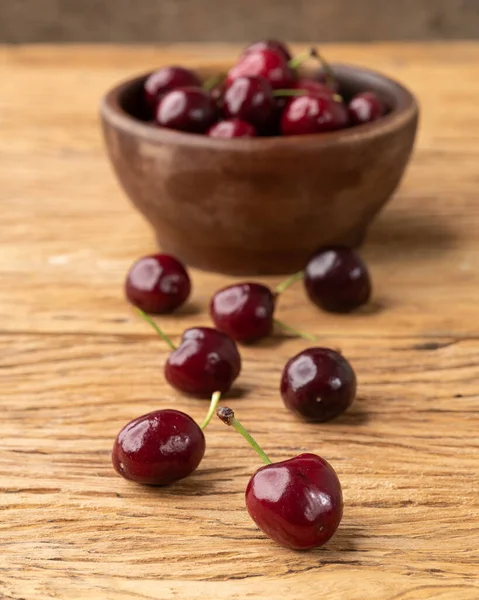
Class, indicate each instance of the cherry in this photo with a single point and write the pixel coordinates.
(231, 128)
(157, 284)
(158, 448)
(250, 99)
(298, 502)
(245, 311)
(313, 113)
(337, 280)
(161, 447)
(365, 108)
(276, 45)
(167, 79)
(206, 360)
(318, 384)
(186, 109)
(266, 63)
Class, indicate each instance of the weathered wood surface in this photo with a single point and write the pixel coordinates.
(76, 364)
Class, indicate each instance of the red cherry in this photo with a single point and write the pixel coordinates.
(264, 63)
(250, 99)
(231, 128)
(157, 284)
(276, 45)
(244, 311)
(167, 79)
(158, 448)
(313, 113)
(298, 503)
(206, 361)
(318, 384)
(365, 108)
(186, 109)
(337, 280)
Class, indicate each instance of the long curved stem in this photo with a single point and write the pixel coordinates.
(228, 417)
(288, 282)
(149, 320)
(287, 328)
(215, 398)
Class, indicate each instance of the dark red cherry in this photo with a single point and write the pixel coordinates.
(250, 99)
(365, 108)
(318, 384)
(298, 503)
(157, 284)
(244, 311)
(313, 113)
(337, 280)
(186, 109)
(276, 45)
(231, 128)
(206, 361)
(158, 448)
(269, 64)
(167, 79)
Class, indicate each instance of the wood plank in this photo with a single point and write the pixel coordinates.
(76, 364)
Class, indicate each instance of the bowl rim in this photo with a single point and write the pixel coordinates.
(406, 108)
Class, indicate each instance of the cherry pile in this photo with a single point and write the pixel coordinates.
(266, 93)
(318, 384)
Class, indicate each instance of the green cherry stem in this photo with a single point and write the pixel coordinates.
(330, 76)
(213, 81)
(283, 93)
(289, 282)
(215, 398)
(228, 417)
(288, 329)
(149, 320)
(296, 61)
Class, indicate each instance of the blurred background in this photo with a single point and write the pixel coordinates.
(147, 21)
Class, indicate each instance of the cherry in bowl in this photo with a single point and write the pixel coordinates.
(166, 79)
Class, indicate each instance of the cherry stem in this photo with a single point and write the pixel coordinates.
(215, 398)
(213, 81)
(305, 336)
(282, 93)
(295, 62)
(289, 282)
(228, 417)
(330, 76)
(149, 320)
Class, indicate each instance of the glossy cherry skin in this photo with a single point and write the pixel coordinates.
(365, 108)
(231, 128)
(298, 503)
(313, 113)
(167, 79)
(337, 280)
(269, 64)
(250, 99)
(157, 284)
(276, 45)
(186, 109)
(158, 448)
(244, 311)
(318, 384)
(206, 361)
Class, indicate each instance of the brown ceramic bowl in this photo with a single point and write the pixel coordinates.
(260, 205)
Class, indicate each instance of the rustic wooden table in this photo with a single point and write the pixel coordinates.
(76, 364)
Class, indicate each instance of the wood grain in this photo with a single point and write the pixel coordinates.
(75, 365)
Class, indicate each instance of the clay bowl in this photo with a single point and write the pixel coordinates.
(261, 205)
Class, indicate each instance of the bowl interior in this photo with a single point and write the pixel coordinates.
(351, 79)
